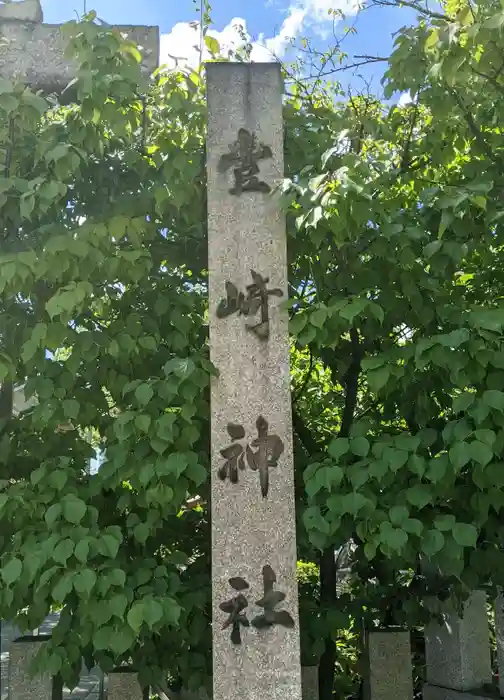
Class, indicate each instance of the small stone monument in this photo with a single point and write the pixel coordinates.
(123, 685)
(255, 600)
(389, 673)
(457, 652)
(499, 637)
(22, 685)
(35, 53)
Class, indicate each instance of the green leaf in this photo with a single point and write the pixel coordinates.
(109, 545)
(71, 408)
(27, 205)
(142, 422)
(494, 399)
(359, 446)
(11, 571)
(153, 612)
(84, 582)
(338, 447)
(413, 526)
(444, 522)
(480, 452)
(52, 514)
(432, 542)
(459, 455)
(319, 317)
(212, 45)
(196, 472)
(462, 402)
(117, 605)
(136, 616)
(63, 551)
(377, 378)
(465, 535)
(122, 640)
(393, 537)
(419, 495)
(63, 588)
(398, 514)
(144, 393)
(74, 510)
(82, 551)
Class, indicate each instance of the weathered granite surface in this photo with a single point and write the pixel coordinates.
(21, 684)
(250, 531)
(310, 682)
(124, 685)
(34, 53)
(458, 651)
(499, 637)
(389, 671)
(25, 11)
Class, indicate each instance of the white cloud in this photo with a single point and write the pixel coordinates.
(182, 45)
(404, 99)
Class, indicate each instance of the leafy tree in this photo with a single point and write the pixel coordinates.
(394, 223)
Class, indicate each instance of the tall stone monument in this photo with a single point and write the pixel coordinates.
(255, 615)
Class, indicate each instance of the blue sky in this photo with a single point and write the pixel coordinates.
(269, 23)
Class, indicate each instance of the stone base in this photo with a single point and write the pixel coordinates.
(434, 692)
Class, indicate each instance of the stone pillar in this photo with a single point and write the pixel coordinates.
(22, 685)
(389, 675)
(457, 652)
(310, 682)
(123, 685)
(255, 615)
(499, 638)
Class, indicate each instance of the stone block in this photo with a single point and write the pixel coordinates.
(34, 53)
(309, 682)
(458, 651)
(24, 11)
(389, 675)
(22, 686)
(499, 638)
(123, 685)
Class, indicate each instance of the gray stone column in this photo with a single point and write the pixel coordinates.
(22, 685)
(255, 616)
(458, 651)
(389, 674)
(123, 685)
(499, 638)
(310, 682)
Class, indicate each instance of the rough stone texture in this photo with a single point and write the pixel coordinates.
(458, 652)
(124, 685)
(248, 531)
(21, 684)
(389, 672)
(433, 692)
(25, 11)
(499, 638)
(310, 682)
(34, 53)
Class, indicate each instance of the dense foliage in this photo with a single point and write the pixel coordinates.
(394, 221)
